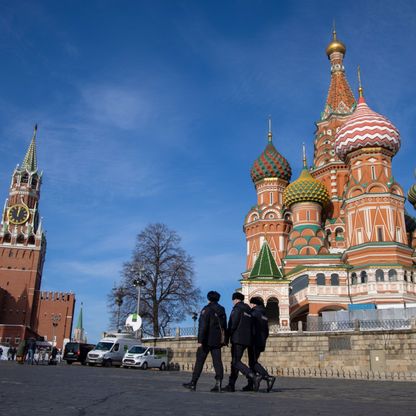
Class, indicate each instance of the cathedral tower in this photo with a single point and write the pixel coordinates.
(271, 174)
(328, 168)
(374, 201)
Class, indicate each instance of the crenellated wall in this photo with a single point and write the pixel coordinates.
(357, 355)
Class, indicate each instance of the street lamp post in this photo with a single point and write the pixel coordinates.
(194, 318)
(139, 282)
(119, 295)
(55, 322)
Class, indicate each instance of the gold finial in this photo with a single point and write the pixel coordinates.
(335, 45)
(360, 87)
(304, 154)
(269, 135)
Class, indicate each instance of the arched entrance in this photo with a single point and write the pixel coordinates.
(272, 311)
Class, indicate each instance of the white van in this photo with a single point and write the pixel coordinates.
(111, 349)
(146, 357)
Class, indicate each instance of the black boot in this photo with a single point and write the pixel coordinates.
(249, 386)
(270, 382)
(229, 388)
(255, 379)
(191, 386)
(217, 387)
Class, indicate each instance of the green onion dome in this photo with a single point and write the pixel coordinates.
(411, 195)
(305, 189)
(271, 164)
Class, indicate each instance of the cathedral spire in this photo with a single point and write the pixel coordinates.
(30, 162)
(304, 155)
(340, 100)
(270, 135)
(360, 87)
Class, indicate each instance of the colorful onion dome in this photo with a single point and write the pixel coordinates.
(271, 164)
(305, 189)
(411, 195)
(335, 45)
(366, 128)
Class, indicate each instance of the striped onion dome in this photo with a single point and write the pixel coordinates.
(411, 195)
(271, 164)
(305, 189)
(366, 128)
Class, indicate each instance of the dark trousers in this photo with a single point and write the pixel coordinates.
(253, 361)
(201, 356)
(237, 351)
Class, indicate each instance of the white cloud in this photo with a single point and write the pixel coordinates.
(125, 108)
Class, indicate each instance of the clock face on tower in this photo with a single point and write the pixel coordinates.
(18, 214)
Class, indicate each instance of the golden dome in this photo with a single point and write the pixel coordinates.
(335, 46)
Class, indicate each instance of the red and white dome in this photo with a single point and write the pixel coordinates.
(366, 128)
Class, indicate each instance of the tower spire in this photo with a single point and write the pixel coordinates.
(304, 155)
(30, 162)
(360, 87)
(270, 135)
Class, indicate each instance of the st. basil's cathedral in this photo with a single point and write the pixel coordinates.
(339, 234)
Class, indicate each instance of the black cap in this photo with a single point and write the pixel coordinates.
(213, 296)
(257, 301)
(237, 295)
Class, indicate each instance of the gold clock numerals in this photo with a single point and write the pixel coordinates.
(18, 214)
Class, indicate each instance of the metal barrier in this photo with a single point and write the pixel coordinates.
(314, 324)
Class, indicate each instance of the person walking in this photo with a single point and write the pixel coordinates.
(240, 334)
(260, 335)
(212, 326)
(31, 349)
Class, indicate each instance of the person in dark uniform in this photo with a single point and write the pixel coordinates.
(211, 338)
(240, 334)
(260, 334)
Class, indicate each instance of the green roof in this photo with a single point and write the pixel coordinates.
(30, 162)
(265, 265)
(80, 323)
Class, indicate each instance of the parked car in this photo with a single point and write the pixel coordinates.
(77, 352)
(111, 349)
(146, 357)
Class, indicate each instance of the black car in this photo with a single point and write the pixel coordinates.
(76, 352)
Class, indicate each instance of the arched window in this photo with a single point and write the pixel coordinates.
(353, 278)
(34, 182)
(328, 237)
(334, 279)
(363, 276)
(379, 275)
(20, 239)
(299, 283)
(339, 234)
(31, 240)
(392, 275)
(320, 279)
(411, 277)
(7, 238)
(24, 178)
(405, 276)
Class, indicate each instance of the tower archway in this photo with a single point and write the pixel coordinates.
(272, 311)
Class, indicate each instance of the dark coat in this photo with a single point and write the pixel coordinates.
(260, 327)
(212, 323)
(240, 325)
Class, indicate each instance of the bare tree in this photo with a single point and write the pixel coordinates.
(169, 292)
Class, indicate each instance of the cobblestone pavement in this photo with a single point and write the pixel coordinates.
(76, 390)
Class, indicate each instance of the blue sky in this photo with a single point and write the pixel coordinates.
(154, 111)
